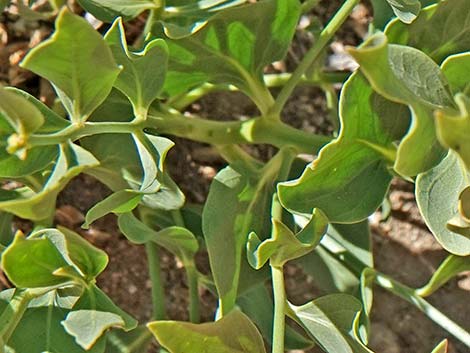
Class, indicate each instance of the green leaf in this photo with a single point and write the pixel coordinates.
(349, 242)
(238, 204)
(180, 241)
(52, 121)
(257, 303)
(441, 347)
(28, 204)
(405, 10)
(437, 195)
(456, 68)
(332, 320)
(233, 47)
(120, 202)
(134, 80)
(109, 10)
(284, 244)
(31, 263)
(40, 328)
(70, 60)
(439, 30)
(234, 333)
(95, 299)
(350, 177)
(407, 76)
(21, 114)
(88, 260)
(453, 129)
(450, 267)
(89, 325)
(37, 159)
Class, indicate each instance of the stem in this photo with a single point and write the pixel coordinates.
(409, 294)
(191, 275)
(253, 131)
(332, 105)
(78, 131)
(325, 36)
(234, 153)
(271, 80)
(279, 291)
(193, 284)
(158, 295)
(279, 309)
(13, 313)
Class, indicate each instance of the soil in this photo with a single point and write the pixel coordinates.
(403, 246)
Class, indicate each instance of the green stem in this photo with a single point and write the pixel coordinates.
(253, 131)
(78, 131)
(191, 275)
(13, 313)
(409, 294)
(325, 36)
(158, 295)
(271, 80)
(193, 284)
(332, 105)
(279, 309)
(234, 153)
(280, 299)
(405, 292)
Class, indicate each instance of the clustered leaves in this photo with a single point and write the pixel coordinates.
(404, 113)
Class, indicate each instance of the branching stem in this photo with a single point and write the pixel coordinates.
(312, 55)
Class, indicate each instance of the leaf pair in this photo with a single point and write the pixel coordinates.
(51, 257)
(284, 244)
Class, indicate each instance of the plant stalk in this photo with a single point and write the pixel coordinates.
(409, 294)
(252, 131)
(191, 275)
(158, 295)
(280, 299)
(312, 55)
(193, 284)
(279, 309)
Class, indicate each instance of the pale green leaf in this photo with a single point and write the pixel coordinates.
(134, 80)
(453, 129)
(331, 320)
(284, 245)
(78, 62)
(233, 47)
(456, 68)
(450, 267)
(88, 260)
(87, 326)
(180, 241)
(21, 114)
(234, 333)
(31, 263)
(439, 31)
(350, 177)
(437, 195)
(406, 75)
(119, 202)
